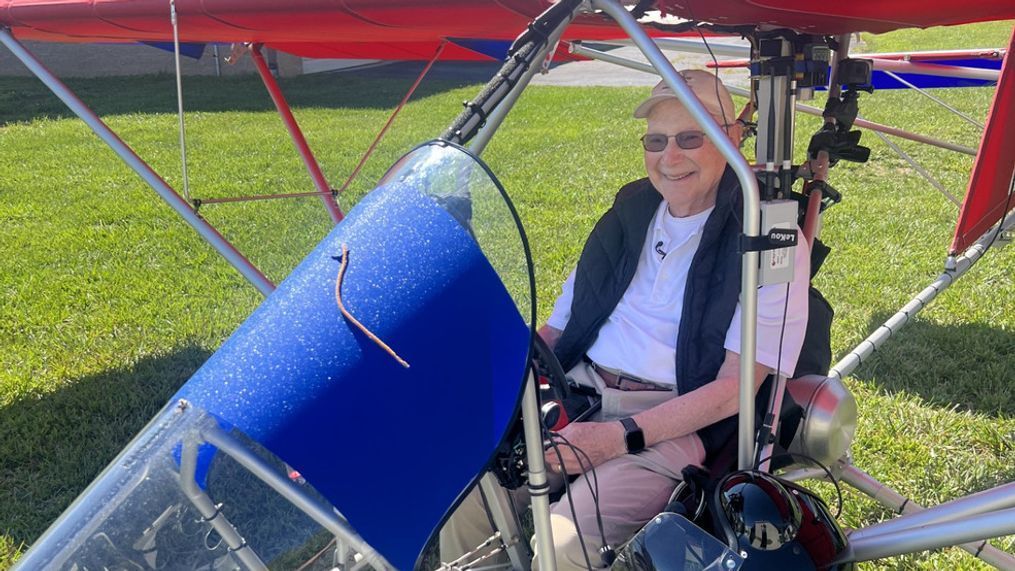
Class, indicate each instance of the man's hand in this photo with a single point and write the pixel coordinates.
(600, 441)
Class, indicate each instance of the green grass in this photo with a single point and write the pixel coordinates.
(108, 302)
(983, 35)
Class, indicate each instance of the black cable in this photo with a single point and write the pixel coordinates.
(782, 332)
(570, 503)
(592, 482)
(838, 488)
(722, 110)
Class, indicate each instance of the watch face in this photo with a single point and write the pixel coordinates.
(635, 440)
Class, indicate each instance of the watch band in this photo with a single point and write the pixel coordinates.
(634, 438)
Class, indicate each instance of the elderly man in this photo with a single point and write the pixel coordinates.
(650, 317)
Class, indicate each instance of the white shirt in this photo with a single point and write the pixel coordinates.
(640, 336)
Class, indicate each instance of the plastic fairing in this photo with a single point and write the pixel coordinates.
(390, 448)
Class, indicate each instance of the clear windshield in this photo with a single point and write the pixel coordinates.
(287, 449)
(469, 191)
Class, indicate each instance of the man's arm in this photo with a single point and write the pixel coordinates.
(679, 416)
(701, 407)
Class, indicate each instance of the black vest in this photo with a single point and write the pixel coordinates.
(608, 263)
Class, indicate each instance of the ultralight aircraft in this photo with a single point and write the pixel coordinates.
(247, 444)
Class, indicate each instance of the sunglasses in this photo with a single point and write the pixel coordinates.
(687, 140)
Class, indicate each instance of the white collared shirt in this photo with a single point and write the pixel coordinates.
(640, 336)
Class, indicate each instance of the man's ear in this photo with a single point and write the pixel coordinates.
(736, 132)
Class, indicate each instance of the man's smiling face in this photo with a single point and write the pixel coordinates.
(687, 178)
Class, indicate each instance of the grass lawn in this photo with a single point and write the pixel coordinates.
(108, 302)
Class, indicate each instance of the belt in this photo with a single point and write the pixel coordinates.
(623, 383)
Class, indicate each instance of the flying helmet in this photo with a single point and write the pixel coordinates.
(773, 523)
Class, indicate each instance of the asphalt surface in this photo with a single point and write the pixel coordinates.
(576, 74)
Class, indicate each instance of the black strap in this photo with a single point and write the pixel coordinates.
(775, 239)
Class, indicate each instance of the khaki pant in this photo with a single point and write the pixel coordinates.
(633, 489)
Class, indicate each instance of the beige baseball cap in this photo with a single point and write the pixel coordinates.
(709, 89)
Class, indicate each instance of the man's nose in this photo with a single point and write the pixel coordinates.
(672, 152)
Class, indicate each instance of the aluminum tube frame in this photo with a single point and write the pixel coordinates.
(323, 516)
(891, 499)
(212, 513)
(170, 196)
(499, 503)
(582, 50)
(175, 21)
(902, 66)
(919, 169)
(539, 487)
(802, 474)
(871, 344)
(495, 118)
(751, 217)
(933, 536)
(313, 167)
(692, 46)
(935, 99)
(994, 499)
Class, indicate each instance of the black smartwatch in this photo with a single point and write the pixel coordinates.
(633, 436)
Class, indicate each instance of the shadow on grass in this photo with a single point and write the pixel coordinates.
(969, 366)
(54, 446)
(27, 99)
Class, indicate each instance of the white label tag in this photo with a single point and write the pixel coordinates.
(779, 259)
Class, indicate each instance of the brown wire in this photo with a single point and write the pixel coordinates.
(345, 312)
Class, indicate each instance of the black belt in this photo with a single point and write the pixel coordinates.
(622, 383)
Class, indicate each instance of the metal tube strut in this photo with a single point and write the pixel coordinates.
(498, 501)
(901, 66)
(539, 487)
(391, 119)
(962, 264)
(175, 21)
(323, 516)
(895, 501)
(994, 499)
(919, 168)
(320, 183)
(495, 118)
(174, 200)
(752, 216)
(934, 536)
(935, 99)
(577, 48)
(213, 513)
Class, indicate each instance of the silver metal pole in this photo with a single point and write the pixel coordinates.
(893, 500)
(579, 49)
(494, 120)
(498, 500)
(903, 66)
(174, 20)
(323, 516)
(802, 474)
(935, 99)
(994, 499)
(751, 216)
(218, 62)
(962, 264)
(212, 513)
(175, 201)
(934, 536)
(538, 483)
(919, 169)
(693, 46)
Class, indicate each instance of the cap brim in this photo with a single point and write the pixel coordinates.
(643, 110)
